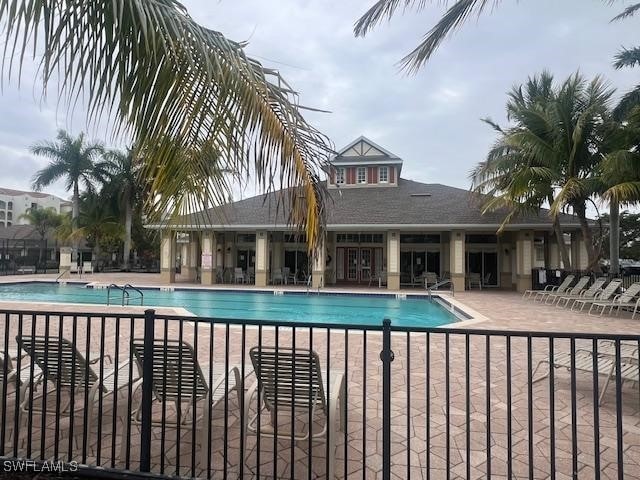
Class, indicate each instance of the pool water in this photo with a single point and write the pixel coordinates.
(325, 308)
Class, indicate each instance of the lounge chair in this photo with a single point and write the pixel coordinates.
(606, 363)
(13, 376)
(474, 279)
(179, 379)
(591, 292)
(293, 378)
(626, 299)
(87, 267)
(380, 276)
(604, 295)
(552, 297)
(73, 268)
(238, 275)
(430, 279)
(276, 277)
(549, 288)
(288, 276)
(62, 365)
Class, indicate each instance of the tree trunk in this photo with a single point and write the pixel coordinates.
(585, 228)
(562, 247)
(127, 234)
(75, 213)
(614, 238)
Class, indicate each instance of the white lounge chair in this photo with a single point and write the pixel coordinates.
(287, 378)
(66, 369)
(584, 359)
(179, 379)
(87, 267)
(626, 299)
(474, 279)
(577, 289)
(73, 268)
(591, 292)
(430, 279)
(238, 275)
(549, 288)
(603, 295)
(277, 277)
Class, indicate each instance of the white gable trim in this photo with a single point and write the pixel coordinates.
(373, 150)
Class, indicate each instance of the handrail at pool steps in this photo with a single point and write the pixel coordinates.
(439, 284)
(133, 395)
(126, 297)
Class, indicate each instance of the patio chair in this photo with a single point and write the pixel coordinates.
(73, 268)
(603, 295)
(66, 369)
(474, 279)
(277, 277)
(287, 275)
(238, 275)
(550, 288)
(251, 274)
(87, 267)
(380, 276)
(430, 279)
(583, 361)
(539, 295)
(591, 292)
(293, 379)
(552, 297)
(179, 379)
(626, 299)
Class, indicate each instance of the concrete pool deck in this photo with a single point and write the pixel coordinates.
(501, 310)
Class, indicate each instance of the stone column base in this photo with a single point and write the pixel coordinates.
(393, 281)
(188, 273)
(208, 277)
(317, 279)
(457, 279)
(523, 283)
(505, 281)
(168, 275)
(261, 279)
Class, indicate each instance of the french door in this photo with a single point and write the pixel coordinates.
(357, 264)
(486, 264)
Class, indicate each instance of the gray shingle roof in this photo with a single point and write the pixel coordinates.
(409, 204)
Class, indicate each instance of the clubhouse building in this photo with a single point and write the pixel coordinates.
(382, 230)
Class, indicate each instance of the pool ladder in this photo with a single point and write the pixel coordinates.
(441, 283)
(126, 297)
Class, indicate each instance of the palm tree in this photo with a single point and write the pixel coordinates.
(552, 154)
(43, 220)
(126, 184)
(455, 16)
(72, 159)
(147, 68)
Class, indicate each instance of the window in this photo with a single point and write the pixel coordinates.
(539, 253)
(10, 216)
(246, 238)
(2, 205)
(10, 205)
(359, 238)
(295, 238)
(419, 238)
(340, 174)
(1, 215)
(362, 175)
(383, 175)
(34, 206)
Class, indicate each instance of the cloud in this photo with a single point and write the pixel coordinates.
(431, 119)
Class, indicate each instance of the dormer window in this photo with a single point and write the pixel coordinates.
(383, 175)
(340, 176)
(361, 175)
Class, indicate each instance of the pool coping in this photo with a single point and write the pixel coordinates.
(466, 315)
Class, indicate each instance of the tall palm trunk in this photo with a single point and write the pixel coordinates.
(75, 214)
(614, 237)
(585, 228)
(128, 219)
(562, 246)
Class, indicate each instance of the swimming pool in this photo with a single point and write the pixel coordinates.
(251, 305)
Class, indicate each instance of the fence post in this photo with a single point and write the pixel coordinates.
(387, 356)
(147, 391)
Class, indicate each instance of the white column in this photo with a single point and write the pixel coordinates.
(207, 276)
(525, 252)
(319, 263)
(393, 260)
(168, 257)
(457, 259)
(262, 258)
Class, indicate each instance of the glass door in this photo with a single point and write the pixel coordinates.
(490, 269)
(352, 264)
(365, 264)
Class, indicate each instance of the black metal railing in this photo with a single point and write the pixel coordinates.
(161, 396)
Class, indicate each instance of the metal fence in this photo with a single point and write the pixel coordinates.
(162, 396)
(27, 256)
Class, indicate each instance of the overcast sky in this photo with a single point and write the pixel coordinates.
(431, 120)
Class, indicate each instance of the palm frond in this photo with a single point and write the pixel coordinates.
(173, 85)
(383, 9)
(629, 11)
(627, 57)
